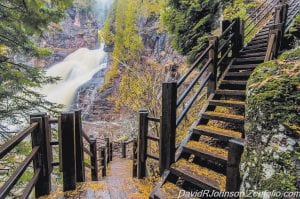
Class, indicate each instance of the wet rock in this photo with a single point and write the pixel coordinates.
(270, 155)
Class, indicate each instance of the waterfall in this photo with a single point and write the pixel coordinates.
(74, 71)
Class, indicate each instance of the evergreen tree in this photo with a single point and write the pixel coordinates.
(188, 23)
(19, 83)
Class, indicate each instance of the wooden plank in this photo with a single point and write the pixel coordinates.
(41, 137)
(223, 117)
(142, 143)
(168, 125)
(80, 170)
(94, 162)
(68, 151)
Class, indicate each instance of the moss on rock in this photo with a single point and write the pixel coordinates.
(272, 125)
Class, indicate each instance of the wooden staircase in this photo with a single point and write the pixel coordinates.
(202, 159)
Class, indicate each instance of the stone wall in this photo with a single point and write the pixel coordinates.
(272, 126)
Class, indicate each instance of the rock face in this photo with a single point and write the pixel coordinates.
(78, 29)
(272, 127)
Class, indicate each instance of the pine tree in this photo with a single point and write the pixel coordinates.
(19, 83)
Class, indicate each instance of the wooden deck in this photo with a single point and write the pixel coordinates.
(118, 184)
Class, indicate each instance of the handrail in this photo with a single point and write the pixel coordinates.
(31, 184)
(193, 66)
(8, 185)
(195, 96)
(261, 18)
(291, 18)
(224, 55)
(88, 152)
(225, 43)
(191, 86)
(258, 15)
(86, 137)
(227, 30)
(153, 119)
(255, 11)
(7, 147)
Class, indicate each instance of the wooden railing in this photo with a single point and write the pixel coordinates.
(142, 149)
(73, 144)
(209, 66)
(254, 21)
(279, 27)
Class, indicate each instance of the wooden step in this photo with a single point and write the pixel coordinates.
(223, 117)
(250, 60)
(233, 84)
(239, 74)
(257, 54)
(199, 176)
(219, 133)
(262, 32)
(226, 92)
(227, 103)
(263, 45)
(259, 38)
(168, 190)
(260, 41)
(254, 50)
(203, 150)
(243, 67)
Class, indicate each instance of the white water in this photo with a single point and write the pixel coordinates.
(75, 70)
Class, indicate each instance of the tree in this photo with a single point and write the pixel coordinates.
(19, 83)
(188, 23)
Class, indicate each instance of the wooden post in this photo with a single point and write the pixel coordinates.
(233, 171)
(107, 150)
(68, 151)
(110, 151)
(41, 137)
(237, 39)
(80, 169)
(168, 126)
(213, 68)
(134, 158)
(142, 143)
(123, 147)
(272, 44)
(94, 162)
(103, 160)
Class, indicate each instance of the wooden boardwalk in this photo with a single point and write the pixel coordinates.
(118, 184)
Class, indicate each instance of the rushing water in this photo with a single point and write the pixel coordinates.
(75, 70)
(78, 68)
